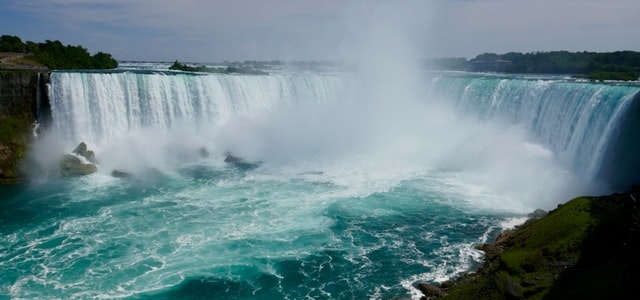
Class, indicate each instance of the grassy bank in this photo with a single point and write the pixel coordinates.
(587, 248)
(18, 61)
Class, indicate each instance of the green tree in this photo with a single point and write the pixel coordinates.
(104, 61)
(10, 43)
(56, 55)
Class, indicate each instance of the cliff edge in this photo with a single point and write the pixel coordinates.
(18, 112)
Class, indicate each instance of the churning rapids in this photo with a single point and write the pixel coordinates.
(350, 187)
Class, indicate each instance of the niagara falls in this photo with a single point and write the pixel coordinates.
(318, 151)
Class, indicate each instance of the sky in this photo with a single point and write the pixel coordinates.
(216, 30)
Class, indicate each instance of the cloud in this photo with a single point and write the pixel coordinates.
(192, 15)
(196, 23)
(518, 16)
(307, 29)
(519, 25)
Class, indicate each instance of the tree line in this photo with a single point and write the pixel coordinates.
(56, 55)
(232, 68)
(618, 65)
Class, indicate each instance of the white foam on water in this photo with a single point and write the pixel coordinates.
(357, 131)
(511, 223)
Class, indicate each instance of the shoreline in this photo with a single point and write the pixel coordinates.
(586, 248)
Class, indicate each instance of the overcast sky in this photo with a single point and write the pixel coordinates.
(215, 30)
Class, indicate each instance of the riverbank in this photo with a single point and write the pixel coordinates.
(19, 61)
(587, 248)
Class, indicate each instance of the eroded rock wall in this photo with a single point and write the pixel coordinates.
(18, 113)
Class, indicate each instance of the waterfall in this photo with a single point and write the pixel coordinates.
(588, 126)
(581, 122)
(95, 107)
(42, 103)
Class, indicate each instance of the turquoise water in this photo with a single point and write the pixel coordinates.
(349, 189)
(215, 231)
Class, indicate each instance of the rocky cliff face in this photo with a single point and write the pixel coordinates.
(19, 92)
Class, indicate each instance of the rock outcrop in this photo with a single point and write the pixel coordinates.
(120, 174)
(18, 110)
(72, 165)
(430, 291)
(232, 159)
(82, 150)
(239, 162)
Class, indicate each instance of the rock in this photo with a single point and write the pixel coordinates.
(5, 160)
(513, 290)
(239, 162)
(71, 165)
(203, 153)
(82, 150)
(232, 159)
(120, 174)
(5, 152)
(447, 284)
(90, 156)
(490, 250)
(430, 291)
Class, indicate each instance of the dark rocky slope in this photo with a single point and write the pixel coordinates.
(588, 248)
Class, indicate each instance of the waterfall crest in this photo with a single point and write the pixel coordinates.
(588, 126)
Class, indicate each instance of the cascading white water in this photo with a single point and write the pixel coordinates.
(259, 114)
(95, 107)
(575, 120)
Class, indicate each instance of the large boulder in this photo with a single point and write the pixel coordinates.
(71, 165)
(232, 159)
(82, 150)
(430, 291)
(513, 290)
(239, 162)
(120, 174)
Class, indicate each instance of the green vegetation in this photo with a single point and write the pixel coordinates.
(56, 55)
(13, 146)
(9, 43)
(11, 129)
(231, 69)
(585, 249)
(178, 66)
(619, 65)
(610, 75)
